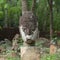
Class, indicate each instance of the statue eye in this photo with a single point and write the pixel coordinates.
(33, 29)
(24, 28)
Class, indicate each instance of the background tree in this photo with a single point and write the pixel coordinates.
(6, 15)
(50, 2)
(24, 6)
(42, 10)
(33, 6)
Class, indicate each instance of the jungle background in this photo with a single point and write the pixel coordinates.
(10, 12)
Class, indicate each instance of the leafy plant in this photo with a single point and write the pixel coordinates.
(51, 57)
(13, 58)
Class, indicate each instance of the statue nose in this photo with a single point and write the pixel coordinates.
(29, 32)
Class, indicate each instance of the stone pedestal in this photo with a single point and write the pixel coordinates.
(30, 53)
(53, 49)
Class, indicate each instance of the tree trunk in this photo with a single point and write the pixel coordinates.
(33, 6)
(6, 20)
(24, 6)
(51, 18)
(44, 25)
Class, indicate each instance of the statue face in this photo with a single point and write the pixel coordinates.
(28, 34)
(28, 27)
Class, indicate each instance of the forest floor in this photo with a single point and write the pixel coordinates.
(8, 54)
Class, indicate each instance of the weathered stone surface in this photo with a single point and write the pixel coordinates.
(30, 53)
(53, 49)
(15, 42)
(3, 59)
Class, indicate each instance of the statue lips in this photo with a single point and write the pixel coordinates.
(29, 41)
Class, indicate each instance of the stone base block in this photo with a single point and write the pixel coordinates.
(30, 53)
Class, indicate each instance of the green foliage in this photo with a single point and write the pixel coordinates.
(13, 58)
(14, 10)
(1, 14)
(51, 57)
(10, 57)
(2, 1)
(20, 42)
(43, 15)
(57, 22)
(29, 4)
(6, 6)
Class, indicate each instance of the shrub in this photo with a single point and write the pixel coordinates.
(51, 57)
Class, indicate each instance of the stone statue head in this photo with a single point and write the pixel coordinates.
(28, 26)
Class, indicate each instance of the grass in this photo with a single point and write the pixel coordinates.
(13, 58)
(39, 44)
(51, 57)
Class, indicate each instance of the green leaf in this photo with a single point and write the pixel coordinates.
(1, 14)
(6, 6)
(1, 1)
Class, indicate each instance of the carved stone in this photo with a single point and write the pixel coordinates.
(30, 53)
(15, 42)
(53, 49)
(28, 27)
